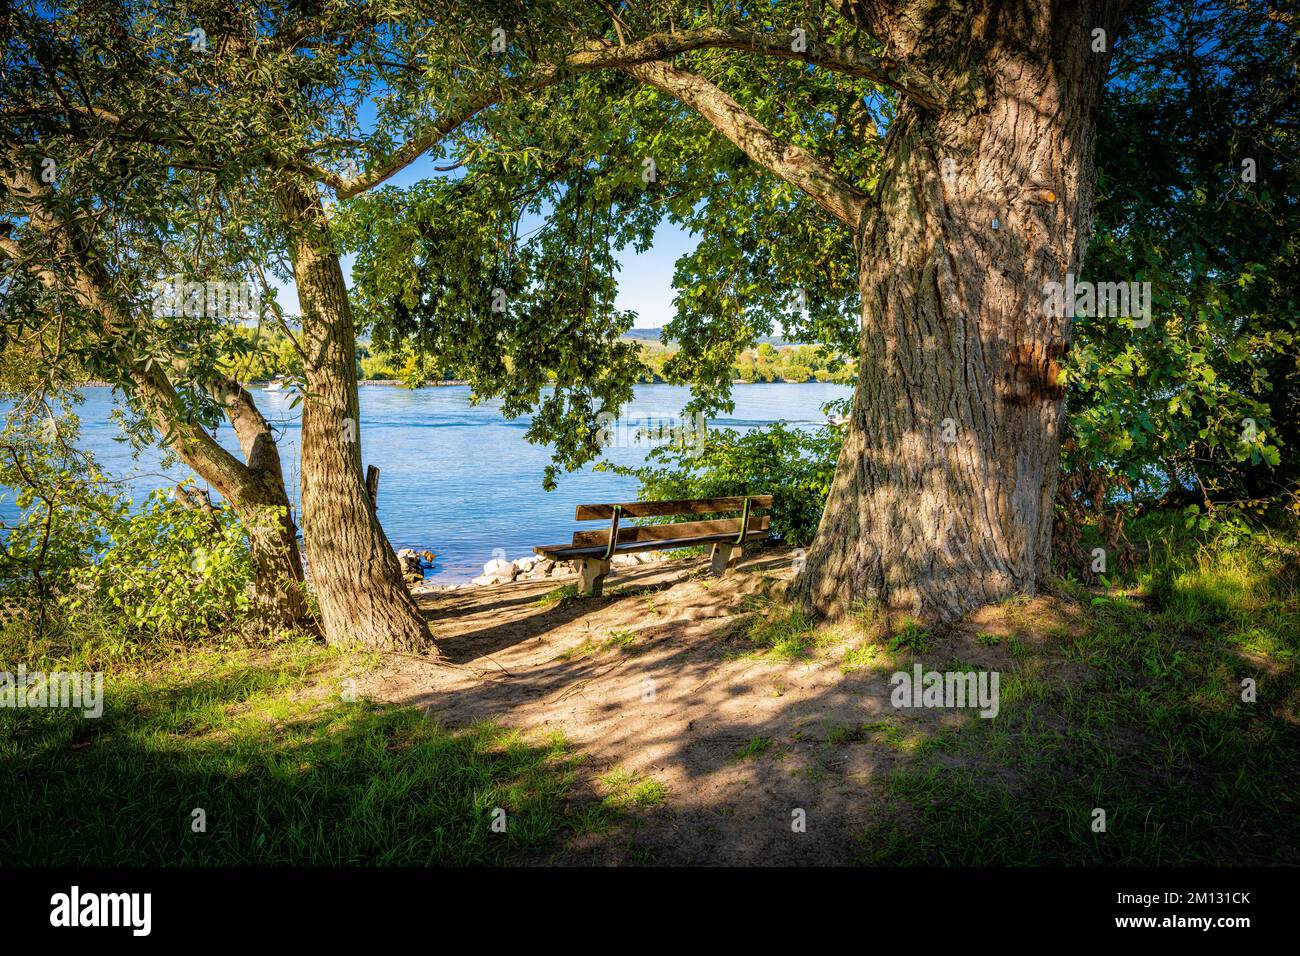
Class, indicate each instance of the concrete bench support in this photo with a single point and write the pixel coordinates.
(591, 576)
(721, 557)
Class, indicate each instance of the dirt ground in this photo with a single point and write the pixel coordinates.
(658, 678)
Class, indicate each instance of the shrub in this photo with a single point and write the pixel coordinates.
(77, 552)
(794, 465)
(62, 500)
(172, 571)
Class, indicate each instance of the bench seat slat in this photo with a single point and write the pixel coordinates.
(661, 532)
(564, 552)
(656, 509)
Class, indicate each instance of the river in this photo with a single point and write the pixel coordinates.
(458, 479)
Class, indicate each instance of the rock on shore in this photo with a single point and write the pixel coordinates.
(412, 569)
(531, 568)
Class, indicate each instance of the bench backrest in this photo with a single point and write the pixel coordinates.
(753, 522)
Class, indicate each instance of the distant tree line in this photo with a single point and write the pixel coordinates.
(260, 354)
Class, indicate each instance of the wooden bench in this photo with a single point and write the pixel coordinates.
(595, 549)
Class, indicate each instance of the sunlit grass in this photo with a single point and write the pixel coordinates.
(282, 765)
(782, 632)
(626, 790)
(617, 640)
(1143, 713)
(557, 595)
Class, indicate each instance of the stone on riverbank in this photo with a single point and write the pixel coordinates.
(412, 569)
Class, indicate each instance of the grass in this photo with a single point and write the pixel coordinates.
(558, 595)
(860, 656)
(626, 790)
(284, 769)
(617, 640)
(890, 732)
(1140, 713)
(780, 631)
(753, 747)
(911, 636)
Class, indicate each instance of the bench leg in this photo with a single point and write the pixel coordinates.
(721, 557)
(591, 576)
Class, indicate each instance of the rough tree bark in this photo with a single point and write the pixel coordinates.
(255, 487)
(942, 499)
(358, 581)
(944, 490)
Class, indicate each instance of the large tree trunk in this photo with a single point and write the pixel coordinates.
(358, 581)
(943, 495)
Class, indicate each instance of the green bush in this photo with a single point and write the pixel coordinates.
(172, 571)
(62, 501)
(794, 465)
(78, 552)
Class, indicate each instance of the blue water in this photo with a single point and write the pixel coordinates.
(458, 479)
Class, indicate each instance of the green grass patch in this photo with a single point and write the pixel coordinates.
(285, 770)
(785, 633)
(617, 640)
(859, 657)
(555, 596)
(753, 747)
(1140, 714)
(911, 636)
(891, 732)
(626, 791)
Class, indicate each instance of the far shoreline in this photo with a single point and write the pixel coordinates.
(398, 383)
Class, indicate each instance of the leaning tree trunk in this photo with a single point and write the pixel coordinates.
(254, 489)
(943, 494)
(358, 581)
(262, 503)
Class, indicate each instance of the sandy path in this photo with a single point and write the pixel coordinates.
(675, 704)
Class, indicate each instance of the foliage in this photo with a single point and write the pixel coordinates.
(62, 500)
(1201, 205)
(262, 353)
(77, 550)
(171, 571)
(502, 272)
(799, 363)
(442, 278)
(794, 465)
(184, 216)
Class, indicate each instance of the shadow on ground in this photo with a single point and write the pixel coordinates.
(766, 760)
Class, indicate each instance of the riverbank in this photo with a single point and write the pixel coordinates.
(399, 382)
(417, 565)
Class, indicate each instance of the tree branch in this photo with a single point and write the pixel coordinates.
(89, 287)
(795, 165)
(602, 54)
